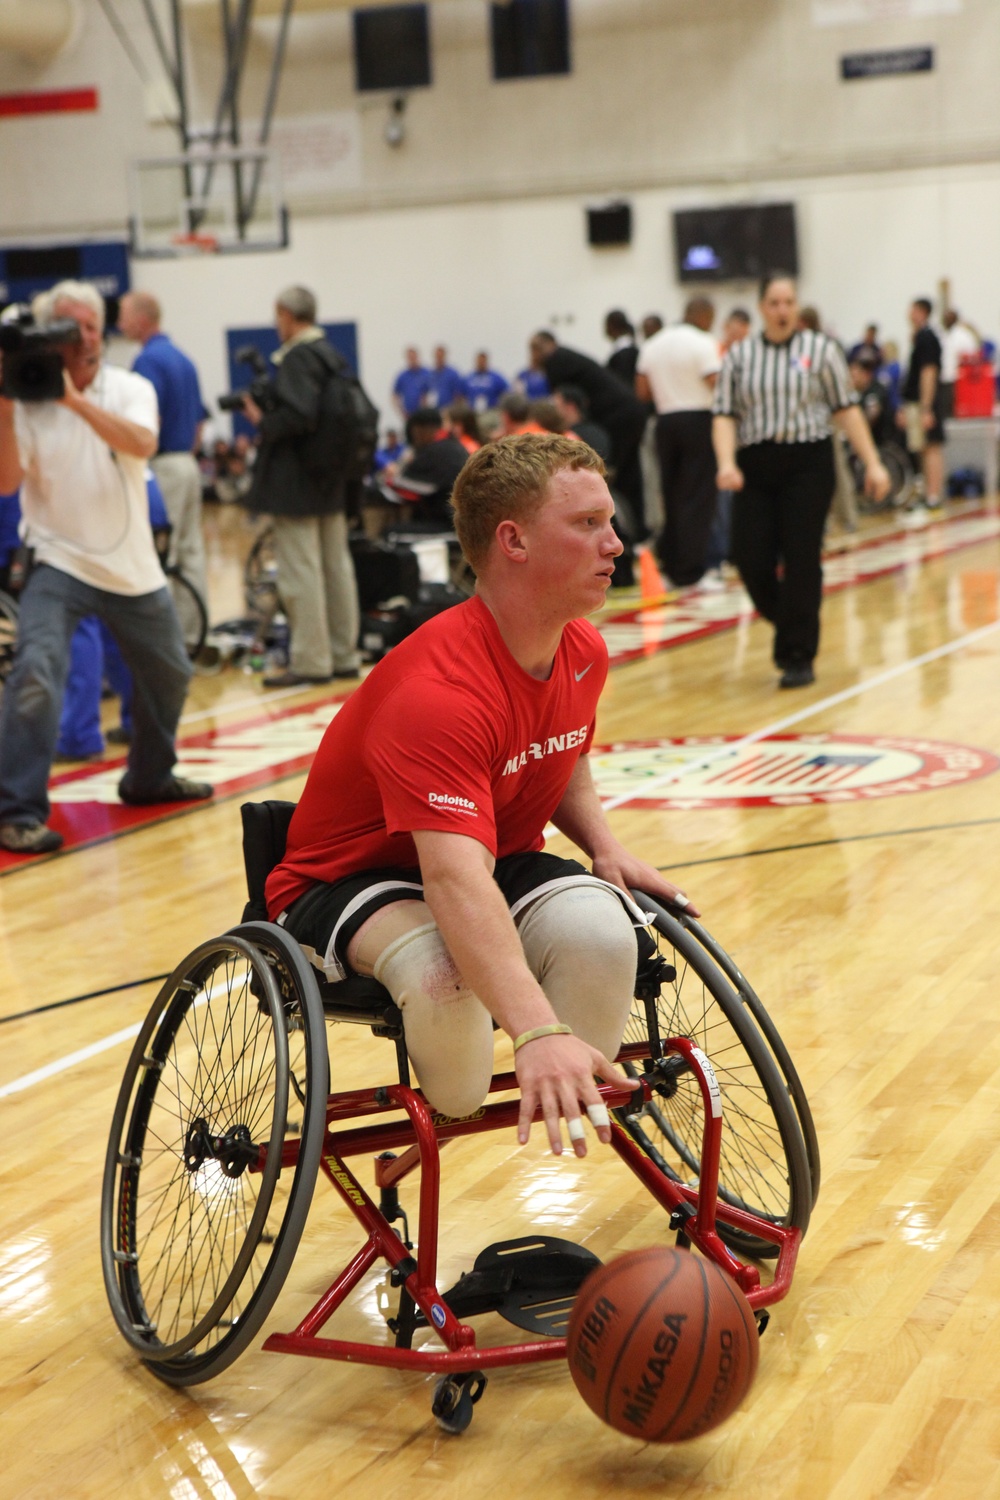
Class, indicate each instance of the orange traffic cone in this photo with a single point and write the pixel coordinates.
(650, 582)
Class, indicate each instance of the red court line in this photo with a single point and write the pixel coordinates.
(86, 823)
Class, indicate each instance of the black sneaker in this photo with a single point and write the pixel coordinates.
(176, 789)
(796, 677)
(29, 838)
(118, 735)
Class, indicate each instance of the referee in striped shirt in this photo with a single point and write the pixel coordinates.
(777, 397)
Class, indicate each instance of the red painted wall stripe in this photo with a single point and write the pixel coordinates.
(50, 102)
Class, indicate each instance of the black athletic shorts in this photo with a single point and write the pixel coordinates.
(325, 918)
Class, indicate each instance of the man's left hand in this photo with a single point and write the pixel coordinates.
(628, 873)
(251, 410)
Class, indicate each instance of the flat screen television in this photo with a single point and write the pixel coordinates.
(741, 242)
(392, 48)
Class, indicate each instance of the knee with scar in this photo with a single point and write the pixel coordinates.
(449, 1034)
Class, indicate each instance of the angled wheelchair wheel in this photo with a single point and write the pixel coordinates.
(260, 578)
(199, 1223)
(764, 1164)
(751, 1000)
(191, 611)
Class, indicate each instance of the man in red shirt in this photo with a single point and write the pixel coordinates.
(415, 853)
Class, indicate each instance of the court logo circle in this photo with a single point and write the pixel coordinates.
(782, 770)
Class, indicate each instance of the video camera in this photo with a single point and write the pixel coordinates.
(32, 361)
(260, 388)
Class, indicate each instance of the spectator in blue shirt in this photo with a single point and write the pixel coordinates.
(412, 385)
(182, 412)
(390, 449)
(10, 519)
(445, 383)
(484, 387)
(533, 382)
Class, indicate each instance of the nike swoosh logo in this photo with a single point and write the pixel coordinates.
(580, 675)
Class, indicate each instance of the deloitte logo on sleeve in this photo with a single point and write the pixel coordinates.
(785, 770)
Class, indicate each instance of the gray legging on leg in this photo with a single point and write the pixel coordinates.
(578, 942)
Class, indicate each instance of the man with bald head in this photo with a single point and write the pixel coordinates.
(182, 412)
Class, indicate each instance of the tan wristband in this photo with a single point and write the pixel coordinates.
(561, 1029)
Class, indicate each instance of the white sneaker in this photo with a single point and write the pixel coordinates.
(915, 515)
(711, 582)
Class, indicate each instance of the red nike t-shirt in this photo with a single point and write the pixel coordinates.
(449, 733)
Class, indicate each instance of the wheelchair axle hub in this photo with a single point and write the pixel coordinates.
(235, 1151)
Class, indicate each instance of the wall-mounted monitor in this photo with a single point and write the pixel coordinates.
(739, 243)
(392, 48)
(530, 38)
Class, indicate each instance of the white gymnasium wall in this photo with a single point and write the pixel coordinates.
(472, 232)
(487, 275)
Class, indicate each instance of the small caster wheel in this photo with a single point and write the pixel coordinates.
(454, 1398)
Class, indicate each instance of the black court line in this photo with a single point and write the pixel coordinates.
(113, 989)
(717, 859)
(852, 838)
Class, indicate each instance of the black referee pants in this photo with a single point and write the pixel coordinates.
(777, 537)
(687, 474)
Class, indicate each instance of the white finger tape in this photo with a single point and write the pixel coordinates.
(575, 1128)
(598, 1115)
(681, 901)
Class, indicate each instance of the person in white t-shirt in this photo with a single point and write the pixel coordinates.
(676, 371)
(958, 342)
(79, 463)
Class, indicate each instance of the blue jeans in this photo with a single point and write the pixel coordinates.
(149, 635)
(718, 542)
(80, 721)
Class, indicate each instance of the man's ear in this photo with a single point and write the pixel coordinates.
(511, 541)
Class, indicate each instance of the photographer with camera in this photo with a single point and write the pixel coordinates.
(301, 481)
(75, 435)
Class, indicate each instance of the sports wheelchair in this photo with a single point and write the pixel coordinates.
(208, 1178)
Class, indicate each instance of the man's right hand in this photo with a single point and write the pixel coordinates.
(251, 410)
(556, 1073)
(729, 477)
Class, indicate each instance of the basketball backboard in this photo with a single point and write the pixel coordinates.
(209, 199)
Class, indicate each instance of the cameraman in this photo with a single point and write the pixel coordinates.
(79, 462)
(307, 502)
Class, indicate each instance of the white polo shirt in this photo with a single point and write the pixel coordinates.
(85, 508)
(675, 361)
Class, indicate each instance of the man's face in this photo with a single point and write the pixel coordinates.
(734, 331)
(82, 360)
(440, 357)
(571, 545)
(413, 359)
(482, 363)
(917, 317)
(861, 377)
(539, 349)
(284, 323)
(129, 320)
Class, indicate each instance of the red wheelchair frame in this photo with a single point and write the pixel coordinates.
(693, 1212)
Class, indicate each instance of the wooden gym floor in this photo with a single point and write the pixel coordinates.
(869, 924)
